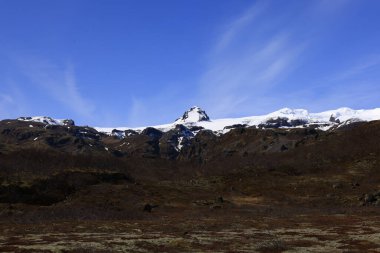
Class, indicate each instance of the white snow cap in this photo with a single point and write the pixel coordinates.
(194, 114)
(289, 114)
(42, 119)
(47, 120)
(196, 117)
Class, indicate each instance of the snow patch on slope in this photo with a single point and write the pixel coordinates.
(48, 120)
(196, 117)
(194, 114)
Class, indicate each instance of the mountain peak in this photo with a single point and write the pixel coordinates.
(48, 120)
(194, 114)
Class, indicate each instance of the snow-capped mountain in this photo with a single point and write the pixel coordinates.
(48, 120)
(194, 114)
(173, 137)
(196, 118)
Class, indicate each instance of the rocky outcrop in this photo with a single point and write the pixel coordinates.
(282, 122)
(68, 122)
(194, 114)
(173, 141)
(118, 133)
(152, 132)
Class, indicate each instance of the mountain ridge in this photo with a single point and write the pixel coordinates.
(293, 118)
(196, 118)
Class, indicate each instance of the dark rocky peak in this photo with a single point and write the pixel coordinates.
(275, 123)
(206, 134)
(194, 114)
(130, 132)
(118, 133)
(282, 122)
(173, 141)
(152, 132)
(236, 126)
(333, 119)
(85, 132)
(181, 130)
(195, 128)
(68, 122)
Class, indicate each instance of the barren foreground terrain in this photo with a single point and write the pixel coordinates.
(215, 231)
(250, 190)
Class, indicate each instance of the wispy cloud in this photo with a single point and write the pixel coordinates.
(136, 112)
(327, 6)
(236, 75)
(256, 54)
(5, 98)
(362, 66)
(232, 29)
(6, 102)
(58, 82)
(159, 107)
(12, 100)
(352, 85)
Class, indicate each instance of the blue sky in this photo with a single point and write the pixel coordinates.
(144, 62)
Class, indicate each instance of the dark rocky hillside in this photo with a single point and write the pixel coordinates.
(67, 173)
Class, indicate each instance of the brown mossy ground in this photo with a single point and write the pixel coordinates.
(240, 192)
